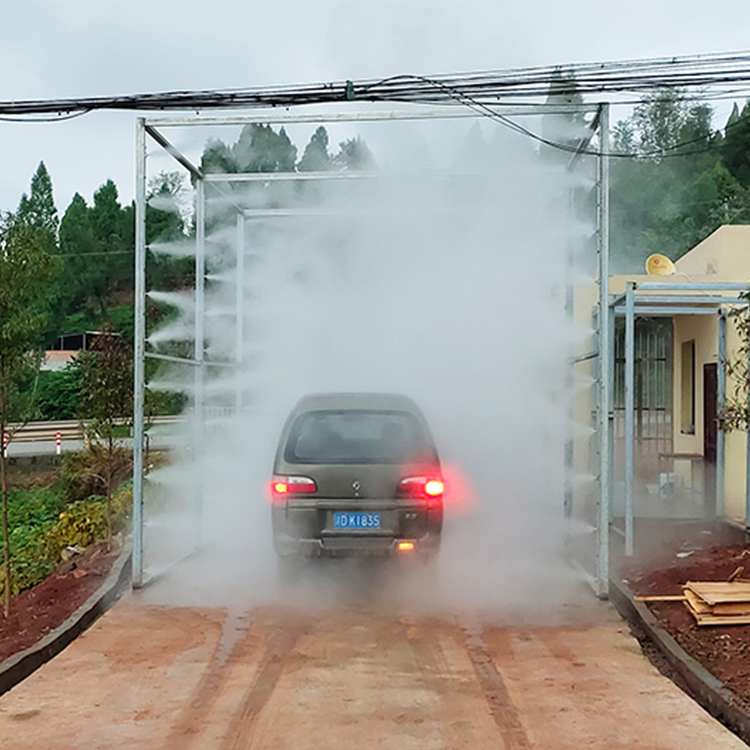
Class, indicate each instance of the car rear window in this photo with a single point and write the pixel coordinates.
(357, 437)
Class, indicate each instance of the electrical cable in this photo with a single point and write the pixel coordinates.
(697, 76)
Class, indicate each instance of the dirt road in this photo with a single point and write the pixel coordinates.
(350, 677)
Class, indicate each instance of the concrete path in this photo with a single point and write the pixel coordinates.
(272, 678)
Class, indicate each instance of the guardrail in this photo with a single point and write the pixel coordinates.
(70, 429)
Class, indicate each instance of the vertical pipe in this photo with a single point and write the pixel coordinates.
(721, 397)
(747, 454)
(139, 374)
(605, 354)
(629, 413)
(239, 312)
(569, 451)
(612, 370)
(200, 333)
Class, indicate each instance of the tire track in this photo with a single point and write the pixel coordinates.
(502, 708)
(193, 716)
(436, 674)
(279, 645)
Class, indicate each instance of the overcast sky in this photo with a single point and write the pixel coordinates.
(66, 48)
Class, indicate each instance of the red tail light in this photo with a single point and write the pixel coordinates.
(284, 487)
(429, 488)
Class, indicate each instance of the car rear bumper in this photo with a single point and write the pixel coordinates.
(359, 545)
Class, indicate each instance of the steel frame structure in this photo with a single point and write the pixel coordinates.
(666, 298)
(151, 128)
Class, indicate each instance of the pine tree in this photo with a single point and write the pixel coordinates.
(354, 155)
(736, 147)
(316, 157)
(38, 208)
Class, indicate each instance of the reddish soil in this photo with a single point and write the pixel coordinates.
(36, 612)
(723, 651)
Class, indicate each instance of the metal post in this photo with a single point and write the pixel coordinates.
(721, 397)
(569, 451)
(629, 413)
(611, 321)
(200, 335)
(239, 312)
(605, 354)
(747, 461)
(139, 384)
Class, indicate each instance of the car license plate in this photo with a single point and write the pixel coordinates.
(356, 520)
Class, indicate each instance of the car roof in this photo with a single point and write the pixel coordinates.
(366, 401)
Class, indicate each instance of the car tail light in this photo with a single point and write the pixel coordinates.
(429, 488)
(284, 487)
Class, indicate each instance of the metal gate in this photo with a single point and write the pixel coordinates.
(653, 414)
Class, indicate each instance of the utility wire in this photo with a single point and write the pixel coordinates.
(478, 91)
(716, 72)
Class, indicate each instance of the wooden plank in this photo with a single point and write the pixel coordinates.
(731, 608)
(737, 573)
(666, 598)
(696, 604)
(718, 592)
(715, 620)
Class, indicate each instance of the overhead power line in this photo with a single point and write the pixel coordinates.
(715, 75)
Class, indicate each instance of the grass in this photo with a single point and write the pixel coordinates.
(42, 524)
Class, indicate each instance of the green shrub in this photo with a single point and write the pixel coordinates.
(36, 549)
(83, 473)
(58, 392)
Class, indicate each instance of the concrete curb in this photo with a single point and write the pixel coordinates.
(696, 680)
(19, 666)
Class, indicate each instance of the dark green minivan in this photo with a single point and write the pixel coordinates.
(356, 474)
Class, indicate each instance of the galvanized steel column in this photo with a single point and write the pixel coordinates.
(239, 312)
(721, 397)
(629, 413)
(139, 384)
(747, 455)
(605, 355)
(200, 335)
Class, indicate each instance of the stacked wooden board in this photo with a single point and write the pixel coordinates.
(719, 602)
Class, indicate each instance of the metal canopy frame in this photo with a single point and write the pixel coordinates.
(151, 128)
(668, 299)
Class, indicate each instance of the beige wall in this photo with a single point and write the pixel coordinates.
(723, 256)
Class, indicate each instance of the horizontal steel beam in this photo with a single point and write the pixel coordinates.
(680, 299)
(655, 311)
(698, 286)
(426, 112)
(291, 176)
(188, 360)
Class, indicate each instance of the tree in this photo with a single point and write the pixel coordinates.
(261, 149)
(672, 191)
(354, 155)
(564, 128)
(38, 209)
(165, 222)
(78, 247)
(316, 157)
(107, 400)
(217, 157)
(112, 227)
(736, 147)
(26, 271)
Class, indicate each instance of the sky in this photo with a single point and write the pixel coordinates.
(86, 48)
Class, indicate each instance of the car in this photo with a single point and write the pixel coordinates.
(356, 474)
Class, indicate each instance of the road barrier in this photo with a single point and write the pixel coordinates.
(71, 429)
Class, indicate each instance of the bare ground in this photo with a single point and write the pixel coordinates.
(354, 676)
